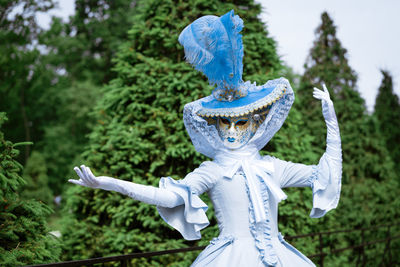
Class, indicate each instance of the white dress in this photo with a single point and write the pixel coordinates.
(242, 241)
(245, 189)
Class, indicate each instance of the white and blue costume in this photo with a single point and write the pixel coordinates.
(245, 188)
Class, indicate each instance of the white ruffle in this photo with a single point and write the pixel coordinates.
(188, 218)
(326, 184)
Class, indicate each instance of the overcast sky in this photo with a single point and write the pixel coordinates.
(368, 29)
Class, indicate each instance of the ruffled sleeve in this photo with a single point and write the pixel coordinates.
(324, 179)
(190, 217)
(326, 182)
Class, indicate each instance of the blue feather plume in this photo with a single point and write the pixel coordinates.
(213, 45)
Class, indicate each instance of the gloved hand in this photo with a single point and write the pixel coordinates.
(333, 143)
(148, 194)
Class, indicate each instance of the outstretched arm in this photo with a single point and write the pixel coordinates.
(300, 175)
(324, 178)
(333, 143)
(148, 194)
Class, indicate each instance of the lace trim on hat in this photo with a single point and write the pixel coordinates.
(269, 99)
(205, 137)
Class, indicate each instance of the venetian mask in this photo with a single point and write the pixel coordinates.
(237, 131)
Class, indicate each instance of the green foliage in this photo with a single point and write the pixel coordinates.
(52, 89)
(65, 138)
(20, 74)
(387, 114)
(35, 175)
(24, 237)
(140, 136)
(137, 133)
(369, 186)
(85, 45)
(79, 56)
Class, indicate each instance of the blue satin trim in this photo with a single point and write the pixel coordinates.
(241, 102)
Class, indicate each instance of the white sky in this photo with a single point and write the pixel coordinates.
(368, 29)
(64, 9)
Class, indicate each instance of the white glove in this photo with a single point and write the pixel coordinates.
(148, 194)
(333, 143)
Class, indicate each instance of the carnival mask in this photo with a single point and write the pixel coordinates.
(237, 131)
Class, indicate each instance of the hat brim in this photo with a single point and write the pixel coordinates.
(253, 102)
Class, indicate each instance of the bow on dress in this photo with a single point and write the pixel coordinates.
(252, 166)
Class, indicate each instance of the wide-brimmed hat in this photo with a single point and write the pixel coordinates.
(213, 45)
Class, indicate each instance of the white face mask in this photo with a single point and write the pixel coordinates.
(236, 132)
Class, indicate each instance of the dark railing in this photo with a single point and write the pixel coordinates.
(360, 248)
(361, 251)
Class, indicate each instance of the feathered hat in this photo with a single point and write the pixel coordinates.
(213, 45)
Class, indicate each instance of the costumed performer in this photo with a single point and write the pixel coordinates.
(230, 126)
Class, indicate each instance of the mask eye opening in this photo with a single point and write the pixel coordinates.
(241, 122)
(225, 120)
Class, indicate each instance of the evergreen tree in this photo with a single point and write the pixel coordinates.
(21, 73)
(327, 63)
(65, 133)
(24, 237)
(35, 175)
(140, 134)
(48, 92)
(387, 113)
(79, 55)
(369, 185)
(85, 45)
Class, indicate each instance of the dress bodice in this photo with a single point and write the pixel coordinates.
(232, 207)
